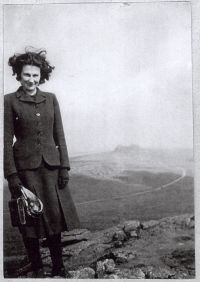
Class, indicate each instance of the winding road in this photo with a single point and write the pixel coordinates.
(132, 194)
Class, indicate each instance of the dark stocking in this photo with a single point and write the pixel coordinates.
(54, 244)
(33, 251)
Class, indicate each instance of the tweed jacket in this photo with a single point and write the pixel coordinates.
(38, 130)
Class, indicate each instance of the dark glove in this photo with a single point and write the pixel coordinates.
(14, 184)
(63, 178)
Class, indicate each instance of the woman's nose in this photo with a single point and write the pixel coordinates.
(31, 79)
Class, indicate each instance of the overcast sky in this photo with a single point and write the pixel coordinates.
(122, 75)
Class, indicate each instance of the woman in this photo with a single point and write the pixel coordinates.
(38, 159)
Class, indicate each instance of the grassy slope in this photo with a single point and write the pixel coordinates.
(176, 199)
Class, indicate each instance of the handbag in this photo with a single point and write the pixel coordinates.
(26, 209)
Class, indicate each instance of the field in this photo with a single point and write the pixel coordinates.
(109, 188)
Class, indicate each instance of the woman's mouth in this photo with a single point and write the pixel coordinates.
(30, 85)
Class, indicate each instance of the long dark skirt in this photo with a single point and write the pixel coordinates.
(43, 181)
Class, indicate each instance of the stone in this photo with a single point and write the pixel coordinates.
(111, 276)
(100, 269)
(190, 223)
(188, 220)
(134, 234)
(75, 232)
(180, 221)
(153, 272)
(119, 236)
(135, 273)
(76, 249)
(106, 236)
(139, 274)
(123, 256)
(109, 265)
(123, 273)
(83, 273)
(106, 266)
(131, 225)
(149, 224)
(67, 253)
(75, 236)
(182, 275)
(85, 253)
(71, 237)
(118, 244)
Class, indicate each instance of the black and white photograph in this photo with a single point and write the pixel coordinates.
(98, 161)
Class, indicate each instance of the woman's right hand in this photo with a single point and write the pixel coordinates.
(14, 184)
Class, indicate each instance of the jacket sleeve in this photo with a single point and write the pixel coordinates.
(9, 163)
(59, 136)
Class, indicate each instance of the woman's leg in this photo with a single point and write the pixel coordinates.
(33, 251)
(55, 247)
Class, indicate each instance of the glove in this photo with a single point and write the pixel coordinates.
(63, 178)
(14, 184)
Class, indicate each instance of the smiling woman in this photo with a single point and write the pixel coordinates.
(30, 78)
(38, 160)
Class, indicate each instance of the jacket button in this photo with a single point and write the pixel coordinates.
(38, 114)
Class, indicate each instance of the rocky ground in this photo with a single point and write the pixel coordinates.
(133, 249)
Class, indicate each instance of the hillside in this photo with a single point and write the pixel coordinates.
(128, 183)
(133, 249)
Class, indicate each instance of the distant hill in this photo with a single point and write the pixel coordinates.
(135, 149)
(130, 150)
(132, 157)
(127, 149)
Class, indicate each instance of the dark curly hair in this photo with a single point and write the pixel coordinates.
(31, 57)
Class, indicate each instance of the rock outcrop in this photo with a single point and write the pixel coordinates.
(132, 249)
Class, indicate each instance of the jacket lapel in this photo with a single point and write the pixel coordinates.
(22, 96)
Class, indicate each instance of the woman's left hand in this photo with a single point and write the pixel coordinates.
(63, 178)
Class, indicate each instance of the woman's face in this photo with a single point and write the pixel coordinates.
(30, 78)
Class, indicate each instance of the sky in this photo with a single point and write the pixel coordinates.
(123, 72)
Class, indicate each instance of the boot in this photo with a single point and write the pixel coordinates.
(55, 247)
(33, 251)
